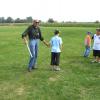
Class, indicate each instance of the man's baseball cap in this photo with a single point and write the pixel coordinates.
(36, 21)
(98, 29)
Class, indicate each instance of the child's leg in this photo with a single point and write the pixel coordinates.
(52, 60)
(57, 61)
(95, 56)
(98, 59)
(87, 52)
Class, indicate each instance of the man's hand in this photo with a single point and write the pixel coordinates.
(46, 43)
(25, 40)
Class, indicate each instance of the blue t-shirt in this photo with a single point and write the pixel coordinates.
(55, 43)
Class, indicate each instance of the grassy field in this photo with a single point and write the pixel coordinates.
(79, 79)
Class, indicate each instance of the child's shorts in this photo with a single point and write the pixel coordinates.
(55, 58)
(96, 53)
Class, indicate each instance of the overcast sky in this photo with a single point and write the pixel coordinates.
(60, 10)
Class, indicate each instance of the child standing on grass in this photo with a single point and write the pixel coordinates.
(96, 46)
(87, 44)
(56, 46)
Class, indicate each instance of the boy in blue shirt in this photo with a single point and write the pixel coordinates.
(56, 46)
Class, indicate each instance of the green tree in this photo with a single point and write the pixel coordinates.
(97, 21)
(50, 20)
(17, 20)
(9, 20)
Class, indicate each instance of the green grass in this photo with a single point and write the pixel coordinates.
(78, 79)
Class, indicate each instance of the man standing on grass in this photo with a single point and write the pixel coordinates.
(34, 34)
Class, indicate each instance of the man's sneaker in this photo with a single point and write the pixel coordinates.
(34, 67)
(29, 69)
(85, 56)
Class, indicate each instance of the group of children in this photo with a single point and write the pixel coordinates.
(96, 45)
(56, 46)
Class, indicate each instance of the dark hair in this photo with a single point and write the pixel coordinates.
(56, 32)
(98, 29)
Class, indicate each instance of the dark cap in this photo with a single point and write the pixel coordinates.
(98, 29)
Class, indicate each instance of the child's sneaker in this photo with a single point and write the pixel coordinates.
(93, 61)
(99, 62)
(57, 68)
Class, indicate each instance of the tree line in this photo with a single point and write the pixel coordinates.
(30, 19)
(18, 20)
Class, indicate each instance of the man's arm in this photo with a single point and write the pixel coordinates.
(46, 43)
(42, 39)
(24, 35)
(40, 35)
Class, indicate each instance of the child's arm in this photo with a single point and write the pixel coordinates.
(61, 46)
(93, 37)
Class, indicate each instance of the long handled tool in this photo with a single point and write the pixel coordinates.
(29, 50)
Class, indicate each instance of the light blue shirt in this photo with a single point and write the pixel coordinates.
(56, 42)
